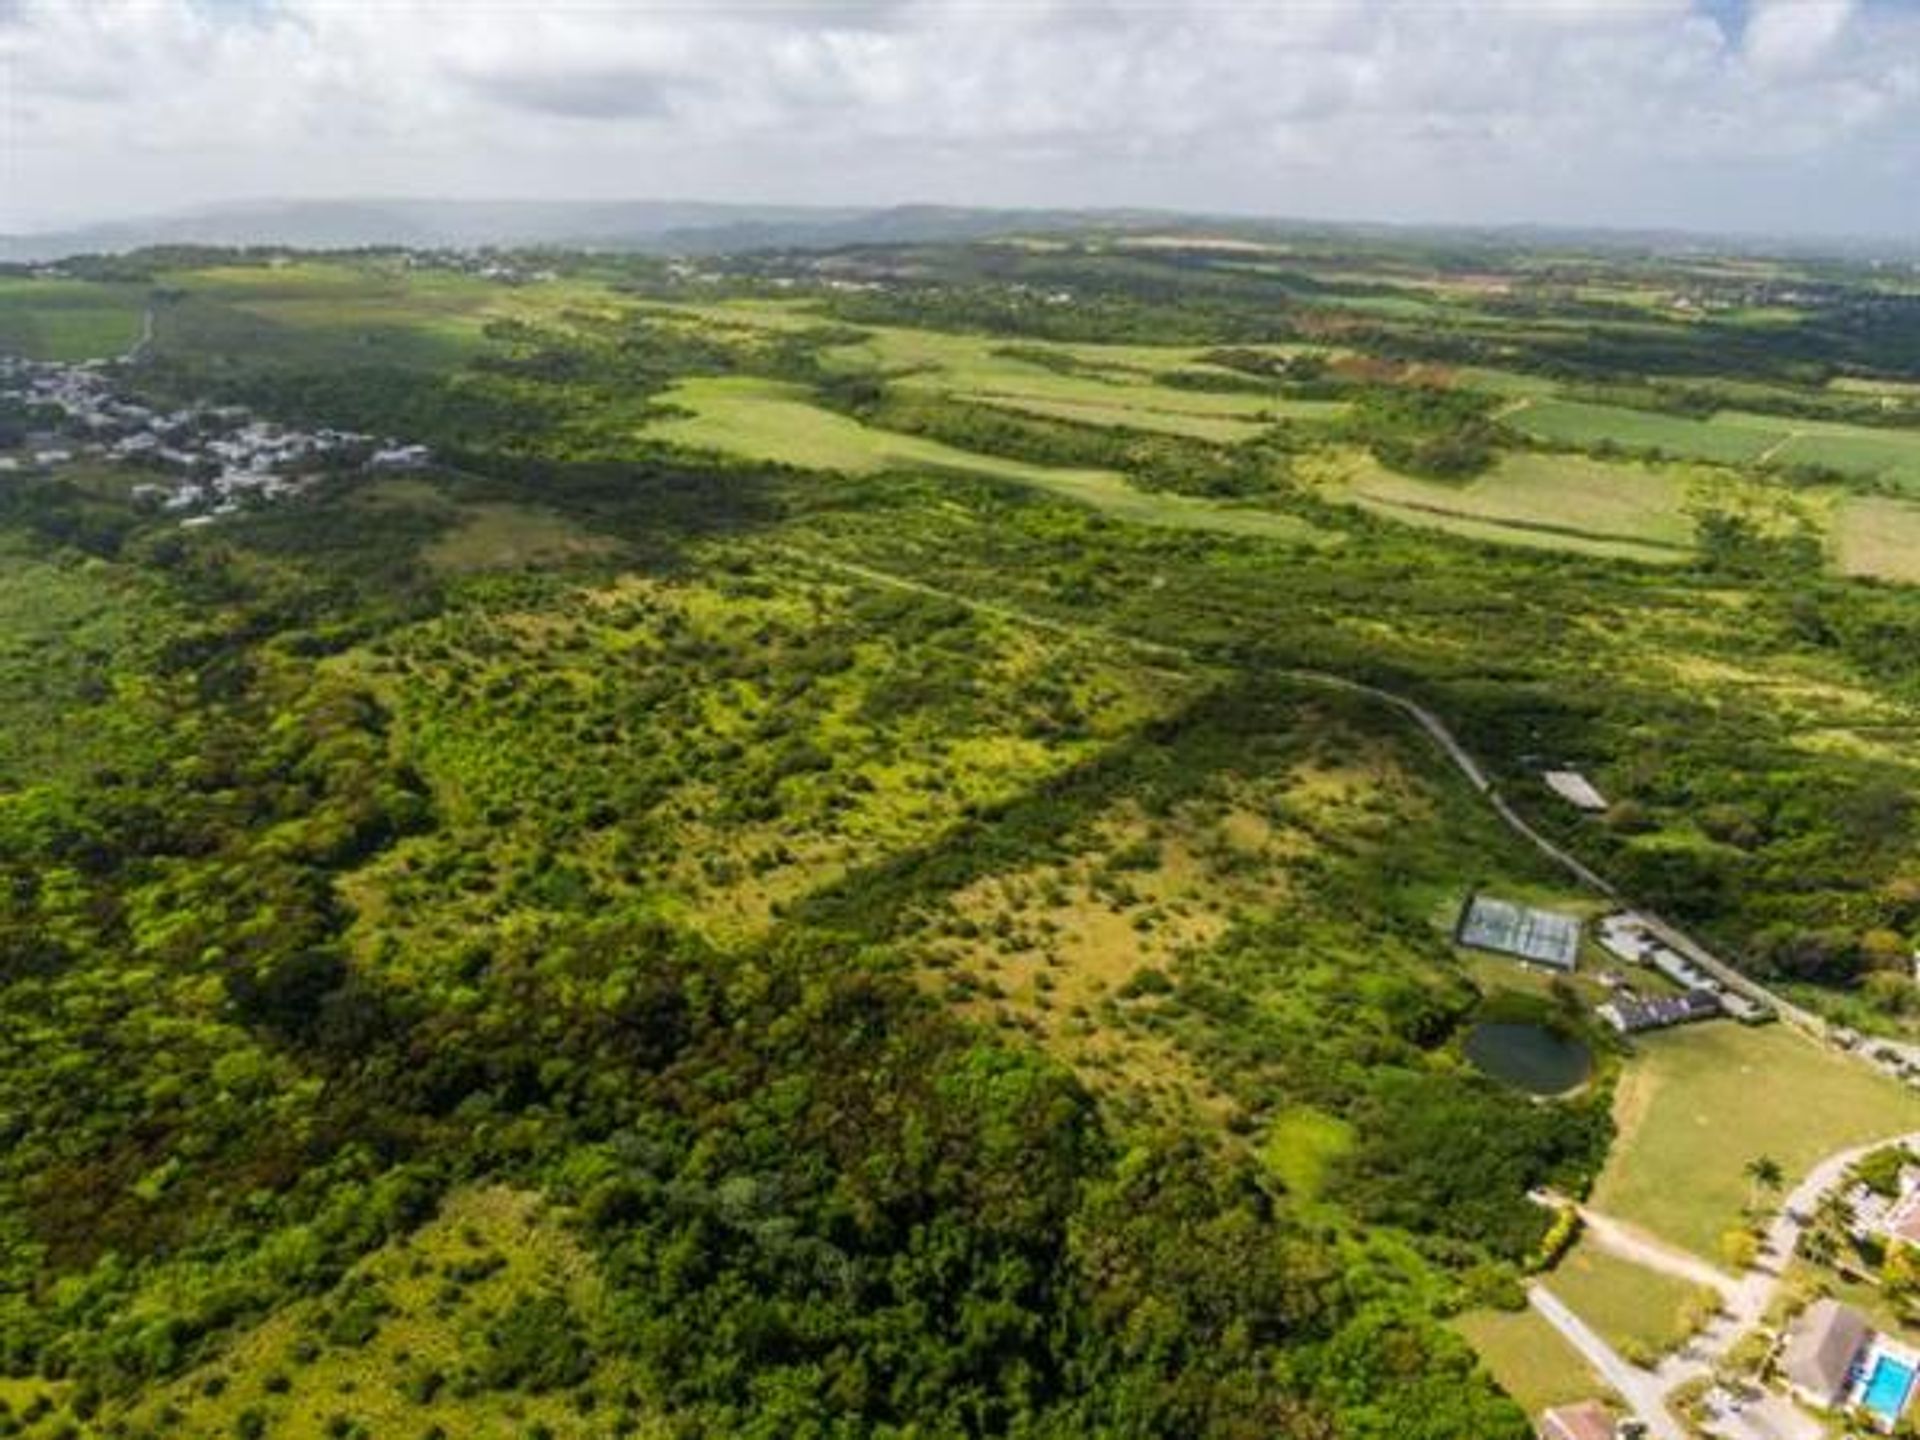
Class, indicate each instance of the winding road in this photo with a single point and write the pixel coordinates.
(1431, 724)
(1745, 1299)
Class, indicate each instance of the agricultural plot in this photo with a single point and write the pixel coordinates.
(1878, 537)
(1089, 383)
(1580, 423)
(772, 421)
(323, 313)
(1554, 502)
(1731, 437)
(68, 319)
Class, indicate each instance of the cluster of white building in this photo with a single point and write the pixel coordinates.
(214, 459)
(1627, 936)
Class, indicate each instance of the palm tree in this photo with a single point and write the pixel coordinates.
(1763, 1174)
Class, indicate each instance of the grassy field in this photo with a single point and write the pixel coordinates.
(1876, 536)
(1641, 1311)
(1528, 1359)
(68, 319)
(487, 535)
(1577, 422)
(1556, 502)
(324, 312)
(1300, 1147)
(1089, 383)
(767, 420)
(1732, 437)
(1698, 1104)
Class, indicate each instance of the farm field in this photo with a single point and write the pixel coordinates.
(1697, 1105)
(773, 421)
(1731, 437)
(1875, 536)
(1090, 383)
(68, 319)
(1580, 423)
(1630, 511)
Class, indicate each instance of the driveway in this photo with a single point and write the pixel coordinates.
(1643, 1390)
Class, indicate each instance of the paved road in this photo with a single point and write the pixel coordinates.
(1643, 1390)
(1745, 1300)
(1744, 1304)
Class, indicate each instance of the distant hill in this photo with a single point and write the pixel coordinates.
(687, 227)
(694, 227)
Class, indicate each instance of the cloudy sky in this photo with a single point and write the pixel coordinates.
(1770, 115)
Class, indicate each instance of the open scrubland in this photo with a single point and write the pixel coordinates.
(812, 873)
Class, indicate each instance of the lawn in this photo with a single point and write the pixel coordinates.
(769, 420)
(1528, 1359)
(1641, 1312)
(1696, 1105)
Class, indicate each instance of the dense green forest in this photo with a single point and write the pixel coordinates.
(613, 933)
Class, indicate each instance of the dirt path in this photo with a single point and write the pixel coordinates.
(1630, 1242)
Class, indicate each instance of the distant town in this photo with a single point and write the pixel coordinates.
(208, 461)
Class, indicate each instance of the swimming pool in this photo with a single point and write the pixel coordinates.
(1887, 1388)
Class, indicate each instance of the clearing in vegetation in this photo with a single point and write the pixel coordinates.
(1876, 536)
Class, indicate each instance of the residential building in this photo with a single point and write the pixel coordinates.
(1821, 1350)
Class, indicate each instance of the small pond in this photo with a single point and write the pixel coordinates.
(1529, 1057)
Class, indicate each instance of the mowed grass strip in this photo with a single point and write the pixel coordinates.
(1528, 1359)
(770, 420)
(1697, 1105)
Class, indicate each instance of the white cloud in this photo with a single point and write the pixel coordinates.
(1788, 36)
(1590, 110)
